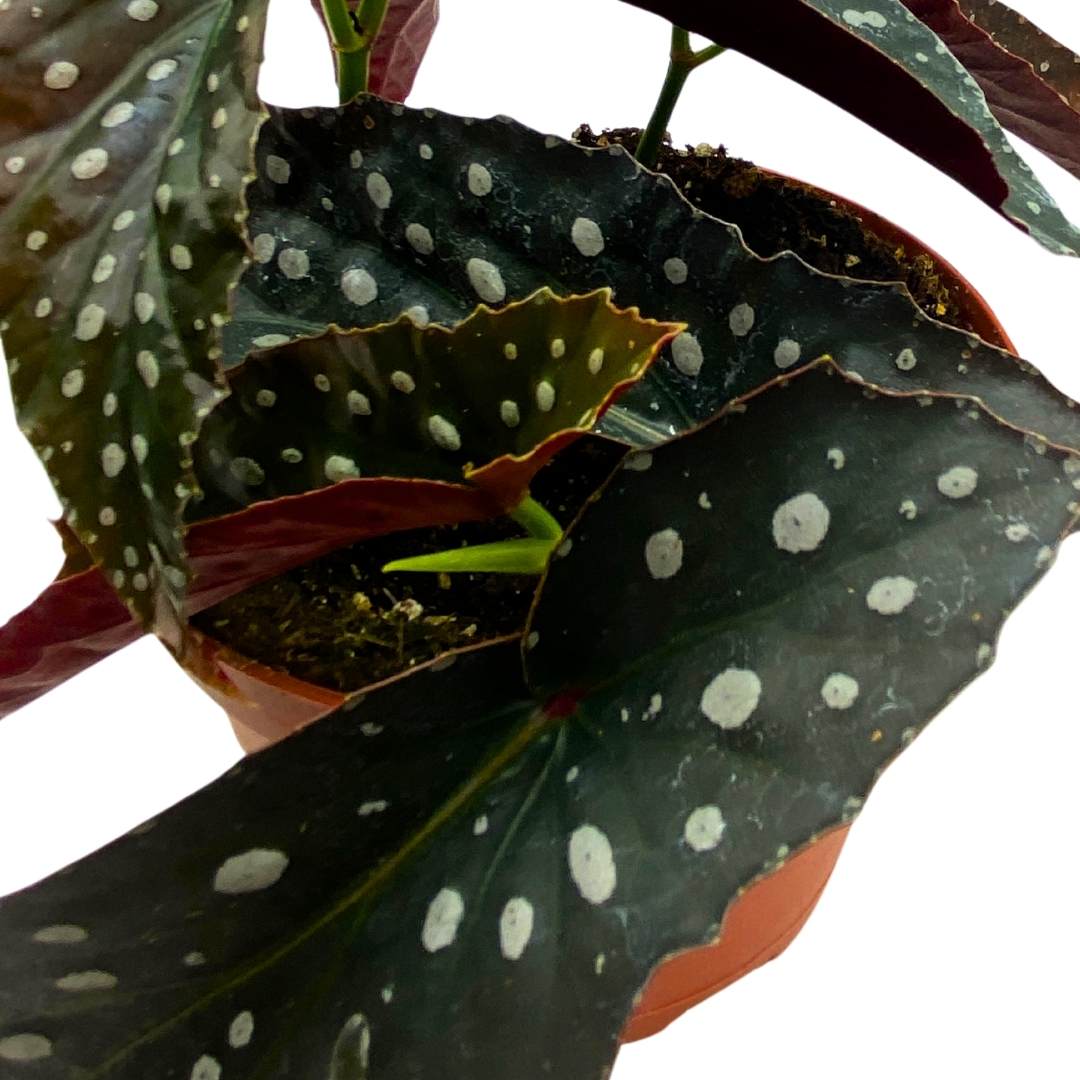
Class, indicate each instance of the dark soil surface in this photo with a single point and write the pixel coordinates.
(776, 214)
(342, 623)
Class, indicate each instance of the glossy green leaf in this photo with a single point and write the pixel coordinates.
(473, 878)
(491, 400)
(125, 138)
(412, 199)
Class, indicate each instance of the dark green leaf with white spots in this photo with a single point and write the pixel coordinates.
(491, 400)
(125, 137)
(506, 211)
(875, 59)
(471, 879)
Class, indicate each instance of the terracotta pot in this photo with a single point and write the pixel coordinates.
(266, 705)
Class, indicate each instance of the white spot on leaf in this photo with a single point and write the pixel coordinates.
(545, 396)
(839, 691)
(515, 927)
(250, 871)
(444, 915)
(358, 403)
(704, 828)
(206, 1068)
(479, 180)
(294, 263)
(486, 281)
(26, 1046)
(891, 595)
(787, 353)
(509, 413)
(278, 169)
(61, 934)
(419, 238)
(86, 981)
(444, 433)
(664, 554)
(587, 237)
(686, 354)
(118, 114)
(90, 163)
(379, 190)
(61, 75)
(801, 523)
(403, 381)
(161, 69)
(113, 459)
(147, 365)
(958, 482)
(676, 271)
(731, 697)
(338, 467)
(741, 319)
(72, 383)
(592, 864)
(359, 286)
(241, 1029)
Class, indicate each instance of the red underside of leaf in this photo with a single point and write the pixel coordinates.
(1020, 100)
(790, 37)
(78, 619)
(399, 50)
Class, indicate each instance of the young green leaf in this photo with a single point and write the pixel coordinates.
(430, 212)
(707, 694)
(492, 399)
(125, 139)
(1019, 92)
(919, 95)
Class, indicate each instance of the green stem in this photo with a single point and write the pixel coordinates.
(682, 61)
(352, 35)
(536, 521)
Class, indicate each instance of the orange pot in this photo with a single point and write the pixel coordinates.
(264, 706)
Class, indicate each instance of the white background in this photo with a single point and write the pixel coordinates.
(947, 944)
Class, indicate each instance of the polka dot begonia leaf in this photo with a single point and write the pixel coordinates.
(125, 139)
(710, 684)
(1031, 82)
(490, 400)
(432, 213)
(876, 60)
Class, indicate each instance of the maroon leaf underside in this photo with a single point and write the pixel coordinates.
(1020, 98)
(1057, 64)
(800, 43)
(79, 620)
(400, 47)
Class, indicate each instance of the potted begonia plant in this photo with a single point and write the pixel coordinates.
(230, 416)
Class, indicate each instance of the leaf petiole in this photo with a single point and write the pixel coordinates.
(682, 61)
(353, 34)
